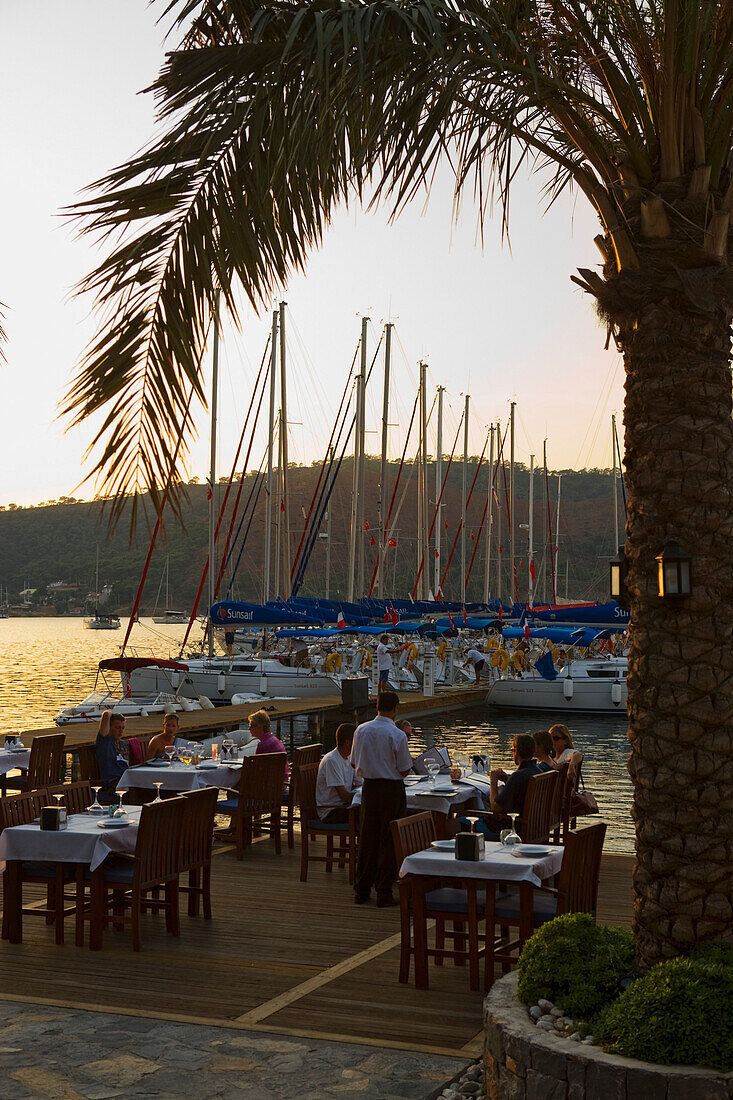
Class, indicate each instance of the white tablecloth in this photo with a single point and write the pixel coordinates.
(498, 863)
(419, 797)
(81, 842)
(11, 760)
(181, 777)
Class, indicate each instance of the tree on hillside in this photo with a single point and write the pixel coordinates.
(275, 112)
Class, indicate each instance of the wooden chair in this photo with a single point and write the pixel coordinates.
(196, 840)
(577, 890)
(77, 796)
(125, 883)
(45, 766)
(557, 804)
(311, 827)
(464, 907)
(259, 794)
(22, 809)
(306, 754)
(89, 765)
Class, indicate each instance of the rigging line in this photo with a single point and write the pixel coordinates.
(158, 522)
(225, 553)
(205, 571)
(437, 509)
(323, 467)
(608, 381)
(387, 523)
(551, 542)
(259, 481)
(477, 540)
(468, 501)
(620, 470)
(245, 510)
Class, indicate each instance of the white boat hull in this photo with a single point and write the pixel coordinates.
(538, 694)
(219, 683)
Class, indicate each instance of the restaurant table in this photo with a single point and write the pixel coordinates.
(498, 865)
(421, 796)
(82, 843)
(9, 761)
(181, 777)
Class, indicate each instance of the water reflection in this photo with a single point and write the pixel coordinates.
(46, 664)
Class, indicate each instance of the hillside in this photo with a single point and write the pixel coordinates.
(52, 548)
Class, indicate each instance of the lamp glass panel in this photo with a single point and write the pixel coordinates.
(615, 581)
(685, 587)
(660, 578)
(671, 579)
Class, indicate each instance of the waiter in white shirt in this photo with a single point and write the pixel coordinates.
(382, 759)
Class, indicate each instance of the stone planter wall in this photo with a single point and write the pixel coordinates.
(526, 1063)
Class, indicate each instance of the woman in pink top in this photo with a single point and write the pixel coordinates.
(259, 727)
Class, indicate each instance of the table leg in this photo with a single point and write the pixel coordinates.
(472, 933)
(489, 937)
(13, 899)
(96, 923)
(420, 934)
(526, 912)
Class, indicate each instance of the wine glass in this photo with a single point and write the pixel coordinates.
(59, 803)
(96, 807)
(170, 752)
(433, 769)
(227, 745)
(158, 784)
(119, 812)
(512, 836)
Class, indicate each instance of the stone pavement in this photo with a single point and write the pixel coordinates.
(60, 1054)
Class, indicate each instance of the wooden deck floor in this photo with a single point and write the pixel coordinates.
(279, 955)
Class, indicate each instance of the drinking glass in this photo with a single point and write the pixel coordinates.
(157, 786)
(512, 836)
(227, 745)
(433, 769)
(170, 752)
(59, 803)
(119, 811)
(96, 807)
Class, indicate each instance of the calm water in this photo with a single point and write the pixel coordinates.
(49, 663)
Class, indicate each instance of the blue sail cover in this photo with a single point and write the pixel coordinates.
(229, 613)
(599, 615)
(546, 667)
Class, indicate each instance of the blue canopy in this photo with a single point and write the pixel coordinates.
(229, 613)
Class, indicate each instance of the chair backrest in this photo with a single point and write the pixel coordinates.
(558, 798)
(306, 754)
(158, 849)
(261, 783)
(21, 809)
(197, 832)
(412, 834)
(307, 778)
(581, 868)
(46, 763)
(89, 765)
(77, 796)
(534, 824)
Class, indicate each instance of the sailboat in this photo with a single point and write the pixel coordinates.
(98, 621)
(169, 616)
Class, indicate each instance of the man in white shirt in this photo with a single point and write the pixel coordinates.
(382, 759)
(336, 779)
(384, 663)
(477, 659)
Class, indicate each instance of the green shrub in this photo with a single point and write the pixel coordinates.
(676, 1014)
(575, 963)
(714, 953)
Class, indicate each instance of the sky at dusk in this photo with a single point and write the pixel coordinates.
(501, 324)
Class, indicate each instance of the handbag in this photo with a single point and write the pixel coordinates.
(583, 803)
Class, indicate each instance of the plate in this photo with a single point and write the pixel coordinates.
(113, 823)
(410, 782)
(21, 748)
(443, 845)
(159, 764)
(207, 765)
(531, 850)
(445, 790)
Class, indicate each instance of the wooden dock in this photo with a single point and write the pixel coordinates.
(321, 711)
(279, 956)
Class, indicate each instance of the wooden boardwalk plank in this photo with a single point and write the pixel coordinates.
(279, 955)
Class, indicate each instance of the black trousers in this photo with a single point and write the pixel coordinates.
(338, 815)
(382, 801)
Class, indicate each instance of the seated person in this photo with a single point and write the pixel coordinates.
(337, 780)
(259, 727)
(113, 754)
(562, 743)
(165, 740)
(543, 751)
(511, 797)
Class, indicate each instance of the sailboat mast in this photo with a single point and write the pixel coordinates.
(270, 435)
(285, 511)
(512, 517)
(438, 487)
(490, 515)
(498, 516)
(425, 576)
(355, 482)
(463, 499)
(279, 505)
(328, 533)
(383, 465)
(530, 563)
(212, 469)
(615, 483)
(557, 529)
(361, 499)
(550, 543)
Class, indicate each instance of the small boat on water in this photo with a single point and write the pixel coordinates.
(171, 618)
(596, 685)
(93, 707)
(218, 678)
(97, 621)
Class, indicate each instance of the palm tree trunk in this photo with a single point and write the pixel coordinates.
(679, 465)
